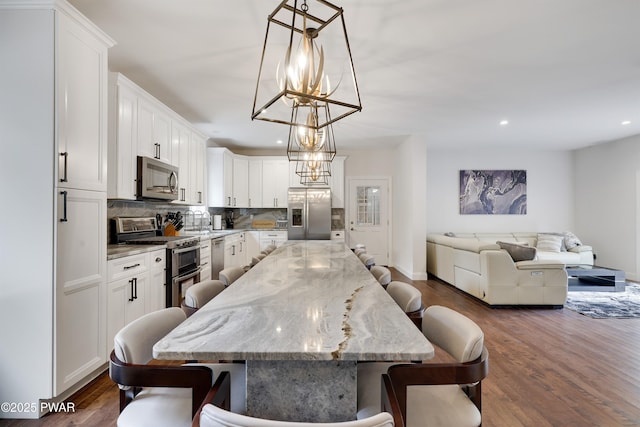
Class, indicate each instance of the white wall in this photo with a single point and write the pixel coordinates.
(607, 187)
(549, 190)
(409, 208)
(27, 170)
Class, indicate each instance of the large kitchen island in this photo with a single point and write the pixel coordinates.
(302, 319)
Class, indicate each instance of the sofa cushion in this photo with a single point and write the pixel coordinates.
(571, 240)
(518, 252)
(549, 242)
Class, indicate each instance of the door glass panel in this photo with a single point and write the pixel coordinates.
(368, 205)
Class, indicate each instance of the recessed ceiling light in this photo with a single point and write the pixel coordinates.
(279, 141)
(504, 122)
(626, 122)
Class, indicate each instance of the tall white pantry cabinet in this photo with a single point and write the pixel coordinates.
(53, 127)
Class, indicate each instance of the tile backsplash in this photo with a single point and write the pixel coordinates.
(193, 214)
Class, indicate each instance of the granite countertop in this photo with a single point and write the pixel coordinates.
(120, 251)
(307, 300)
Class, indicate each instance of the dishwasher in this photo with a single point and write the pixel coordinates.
(217, 257)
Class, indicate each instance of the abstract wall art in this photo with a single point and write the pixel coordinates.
(493, 192)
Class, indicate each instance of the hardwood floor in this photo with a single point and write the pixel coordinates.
(546, 368)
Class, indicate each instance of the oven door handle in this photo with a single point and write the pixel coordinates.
(183, 250)
(190, 275)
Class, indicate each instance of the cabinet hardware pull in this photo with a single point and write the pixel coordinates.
(128, 267)
(199, 196)
(233, 249)
(135, 287)
(131, 283)
(234, 201)
(64, 206)
(157, 153)
(65, 155)
(229, 202)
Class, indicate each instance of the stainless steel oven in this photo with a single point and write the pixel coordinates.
(183, 270)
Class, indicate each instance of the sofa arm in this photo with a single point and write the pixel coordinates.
(539, 265)
(581, 248)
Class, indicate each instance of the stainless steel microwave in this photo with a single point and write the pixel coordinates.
(156, 180)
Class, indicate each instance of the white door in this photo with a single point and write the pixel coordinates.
(368, 216)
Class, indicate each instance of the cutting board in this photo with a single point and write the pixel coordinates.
(263, 223)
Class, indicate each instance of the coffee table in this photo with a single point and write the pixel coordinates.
(590, 278)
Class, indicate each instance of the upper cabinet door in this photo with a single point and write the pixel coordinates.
(154, 132)
(181, 155)
(255, 183)
(198, 169)
(275, 183)
(123, 137)
(81, 98)
(240, 182)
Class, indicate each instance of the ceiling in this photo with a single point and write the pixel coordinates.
(565, 74)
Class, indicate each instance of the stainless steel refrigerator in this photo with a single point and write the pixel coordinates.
(309, 214)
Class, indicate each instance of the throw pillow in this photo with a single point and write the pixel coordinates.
(518, 252)
(571, 240)
(550, 242)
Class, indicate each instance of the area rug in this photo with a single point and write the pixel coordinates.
(604, 305)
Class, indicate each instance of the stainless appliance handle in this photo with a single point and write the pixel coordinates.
(188, 276)
(183, 250)
(172, 182)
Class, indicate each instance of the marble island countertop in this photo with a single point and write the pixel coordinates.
(307, 300)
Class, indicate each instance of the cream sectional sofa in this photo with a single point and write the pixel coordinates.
(476, 264)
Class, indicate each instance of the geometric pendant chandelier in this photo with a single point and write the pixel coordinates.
(306, 63)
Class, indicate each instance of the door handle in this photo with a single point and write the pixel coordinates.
(64, 206)
(64, 155)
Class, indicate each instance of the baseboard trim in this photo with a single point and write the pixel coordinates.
(416, 275)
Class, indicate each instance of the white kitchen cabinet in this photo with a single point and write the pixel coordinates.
(272, 237)
(80, 285)
(154, 131)
(219, 177)
(137, 120)
(127, 285)
(156, 291)
(123, 138)
(54, 101)
(255, 183)
(240, 182)
(181, 156)
(227, 179)
(81, 86)
(198, 169)
(205, 259)
(275, 182)
(337, 235)
(235, 254)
